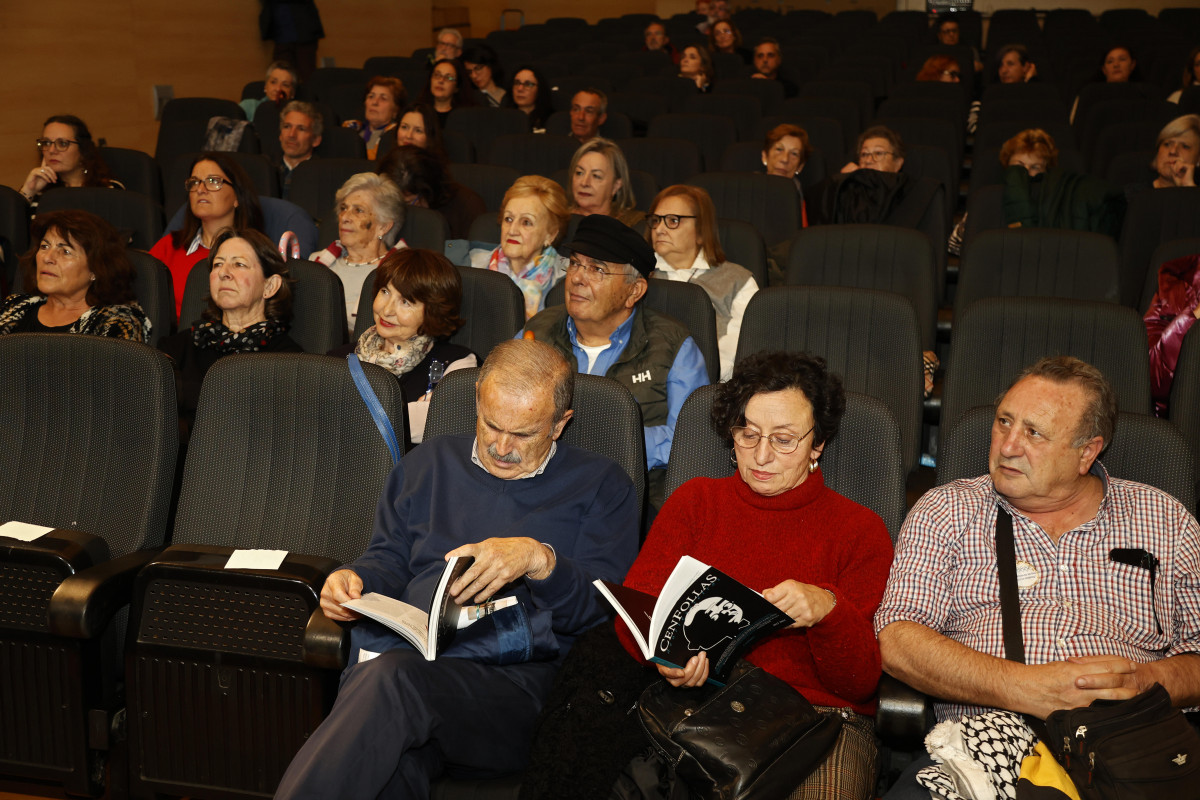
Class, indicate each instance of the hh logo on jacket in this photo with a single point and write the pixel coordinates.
(641, 376)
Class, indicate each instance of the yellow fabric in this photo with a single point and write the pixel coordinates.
(1040, 769)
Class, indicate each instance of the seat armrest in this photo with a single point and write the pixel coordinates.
(904, 715)
(84, 603)
(326, 643)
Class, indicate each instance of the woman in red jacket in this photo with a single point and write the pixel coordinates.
(1172, 312)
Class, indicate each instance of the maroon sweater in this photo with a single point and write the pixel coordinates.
(810, 534)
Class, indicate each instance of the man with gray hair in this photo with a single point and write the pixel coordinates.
(279, 86)
(1087, 548)
(449, 44)
(589, 110)
(542, 520)
(300, 128)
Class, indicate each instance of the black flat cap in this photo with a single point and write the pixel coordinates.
(606, 239)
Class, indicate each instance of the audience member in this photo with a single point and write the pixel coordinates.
(560, 517)
(483, 68)
(655, 40)
(713, 11)
(76, 278)
(949, 34)
(419, 127)
(1016, 65)
(589, 110)
(724, 37)
(879, 148)
(940, 68)
(425, 181)
(417, 294)
(682, 229)
(600, 182)
(447, 89)
(530, 92)
(1087, 633)
(767, 61)
(1178, 151)
(248, 310)
(370, 213)
(533, 219)
(696, 64)
(69, 157)
(449, 45)
(279, 88)
(300, 129)
(604, 329)
(785, 152)
(1119, 66)
(1191, 74)
(384, 98)
(220, 195)
(1172, 312)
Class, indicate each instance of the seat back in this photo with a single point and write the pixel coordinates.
(995, 338)
(743, 245)
(745, 111)
(135, 170)
(482, 125)
(864, 461)
(1154, 217)
(311, 482)
(1038, 262)
(607, 419)
(767, 202)
(14, 231)
(670, 161)
(880, 257)
(425, 228)
(1185, 398)
(489, 181)
(711, 132)
(1167, 251)
(136, 216)
(155, 292)
(869, 338)
(1144, 449)
(318, 304)
(530, 153)
(188, 109)
(89, 437)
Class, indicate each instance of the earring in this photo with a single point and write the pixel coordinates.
(380, 237)
(93, 278)
(812, 466)
(733, 456)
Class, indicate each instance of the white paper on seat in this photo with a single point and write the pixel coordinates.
(256, 559)
(23, 531)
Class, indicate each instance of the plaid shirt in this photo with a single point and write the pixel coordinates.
(1075, 601)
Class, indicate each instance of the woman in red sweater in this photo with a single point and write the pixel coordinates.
(774, 526)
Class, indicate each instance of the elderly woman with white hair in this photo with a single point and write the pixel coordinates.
(370, 212)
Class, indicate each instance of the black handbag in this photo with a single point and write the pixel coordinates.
(1134, 749)
(754, 738)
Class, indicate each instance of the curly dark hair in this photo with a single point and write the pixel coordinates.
(426, 277)
(419, 172)
(95, 171)
(101, 243)
(278, 305)
(775, 371)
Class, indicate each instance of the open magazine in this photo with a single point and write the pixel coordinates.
(699, 608)
(432, 631)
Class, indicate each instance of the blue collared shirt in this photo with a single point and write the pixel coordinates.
(688, 373)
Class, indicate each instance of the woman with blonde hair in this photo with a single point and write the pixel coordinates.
(532, 221)
(600, 182)
(682, 229)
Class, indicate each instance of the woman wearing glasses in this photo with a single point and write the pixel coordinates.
(530, 92)
(220, 196)
(448, 89)
(682, 229)
(486, 74)
(381, 105)
(776, 527)
(69, 157)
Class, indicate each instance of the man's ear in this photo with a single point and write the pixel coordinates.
(562, 423)
(1089, 453)
(636, 292)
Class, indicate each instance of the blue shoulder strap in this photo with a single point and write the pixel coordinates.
(374, 406)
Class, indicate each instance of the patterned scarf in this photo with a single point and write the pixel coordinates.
(536, 278)
(215, 336)
(374, 349)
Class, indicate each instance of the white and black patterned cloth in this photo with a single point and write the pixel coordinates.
(979, 757)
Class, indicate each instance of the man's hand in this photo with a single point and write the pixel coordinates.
(1076, 682)
(693, 674)
(850, 167)
(803, 602)
(339, 587)
(499, 562)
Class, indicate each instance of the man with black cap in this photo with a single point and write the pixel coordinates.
(602, 328)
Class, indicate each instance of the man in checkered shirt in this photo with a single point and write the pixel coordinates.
(1094, 625)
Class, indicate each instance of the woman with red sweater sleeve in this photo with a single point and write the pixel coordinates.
(1172, 312)
(774, 526)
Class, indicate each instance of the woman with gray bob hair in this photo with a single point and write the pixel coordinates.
(370, 212)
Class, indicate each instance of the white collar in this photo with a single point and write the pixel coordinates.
(541, 468)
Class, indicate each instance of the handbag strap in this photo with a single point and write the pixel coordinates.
(1010, 601)
(374, 406)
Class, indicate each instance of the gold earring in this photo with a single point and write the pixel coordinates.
(812, 466)
(733, 456)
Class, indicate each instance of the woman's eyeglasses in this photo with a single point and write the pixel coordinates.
(782, 443)
(525, 84)
(213, 182)
(670, 220)
(448, 77)
(57, 144)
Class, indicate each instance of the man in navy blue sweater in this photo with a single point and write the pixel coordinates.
(542, 520)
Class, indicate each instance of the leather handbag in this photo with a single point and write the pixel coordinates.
(1131, 749)
(756, 737)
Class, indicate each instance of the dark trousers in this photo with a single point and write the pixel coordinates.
(400, 720)
(906, 786)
